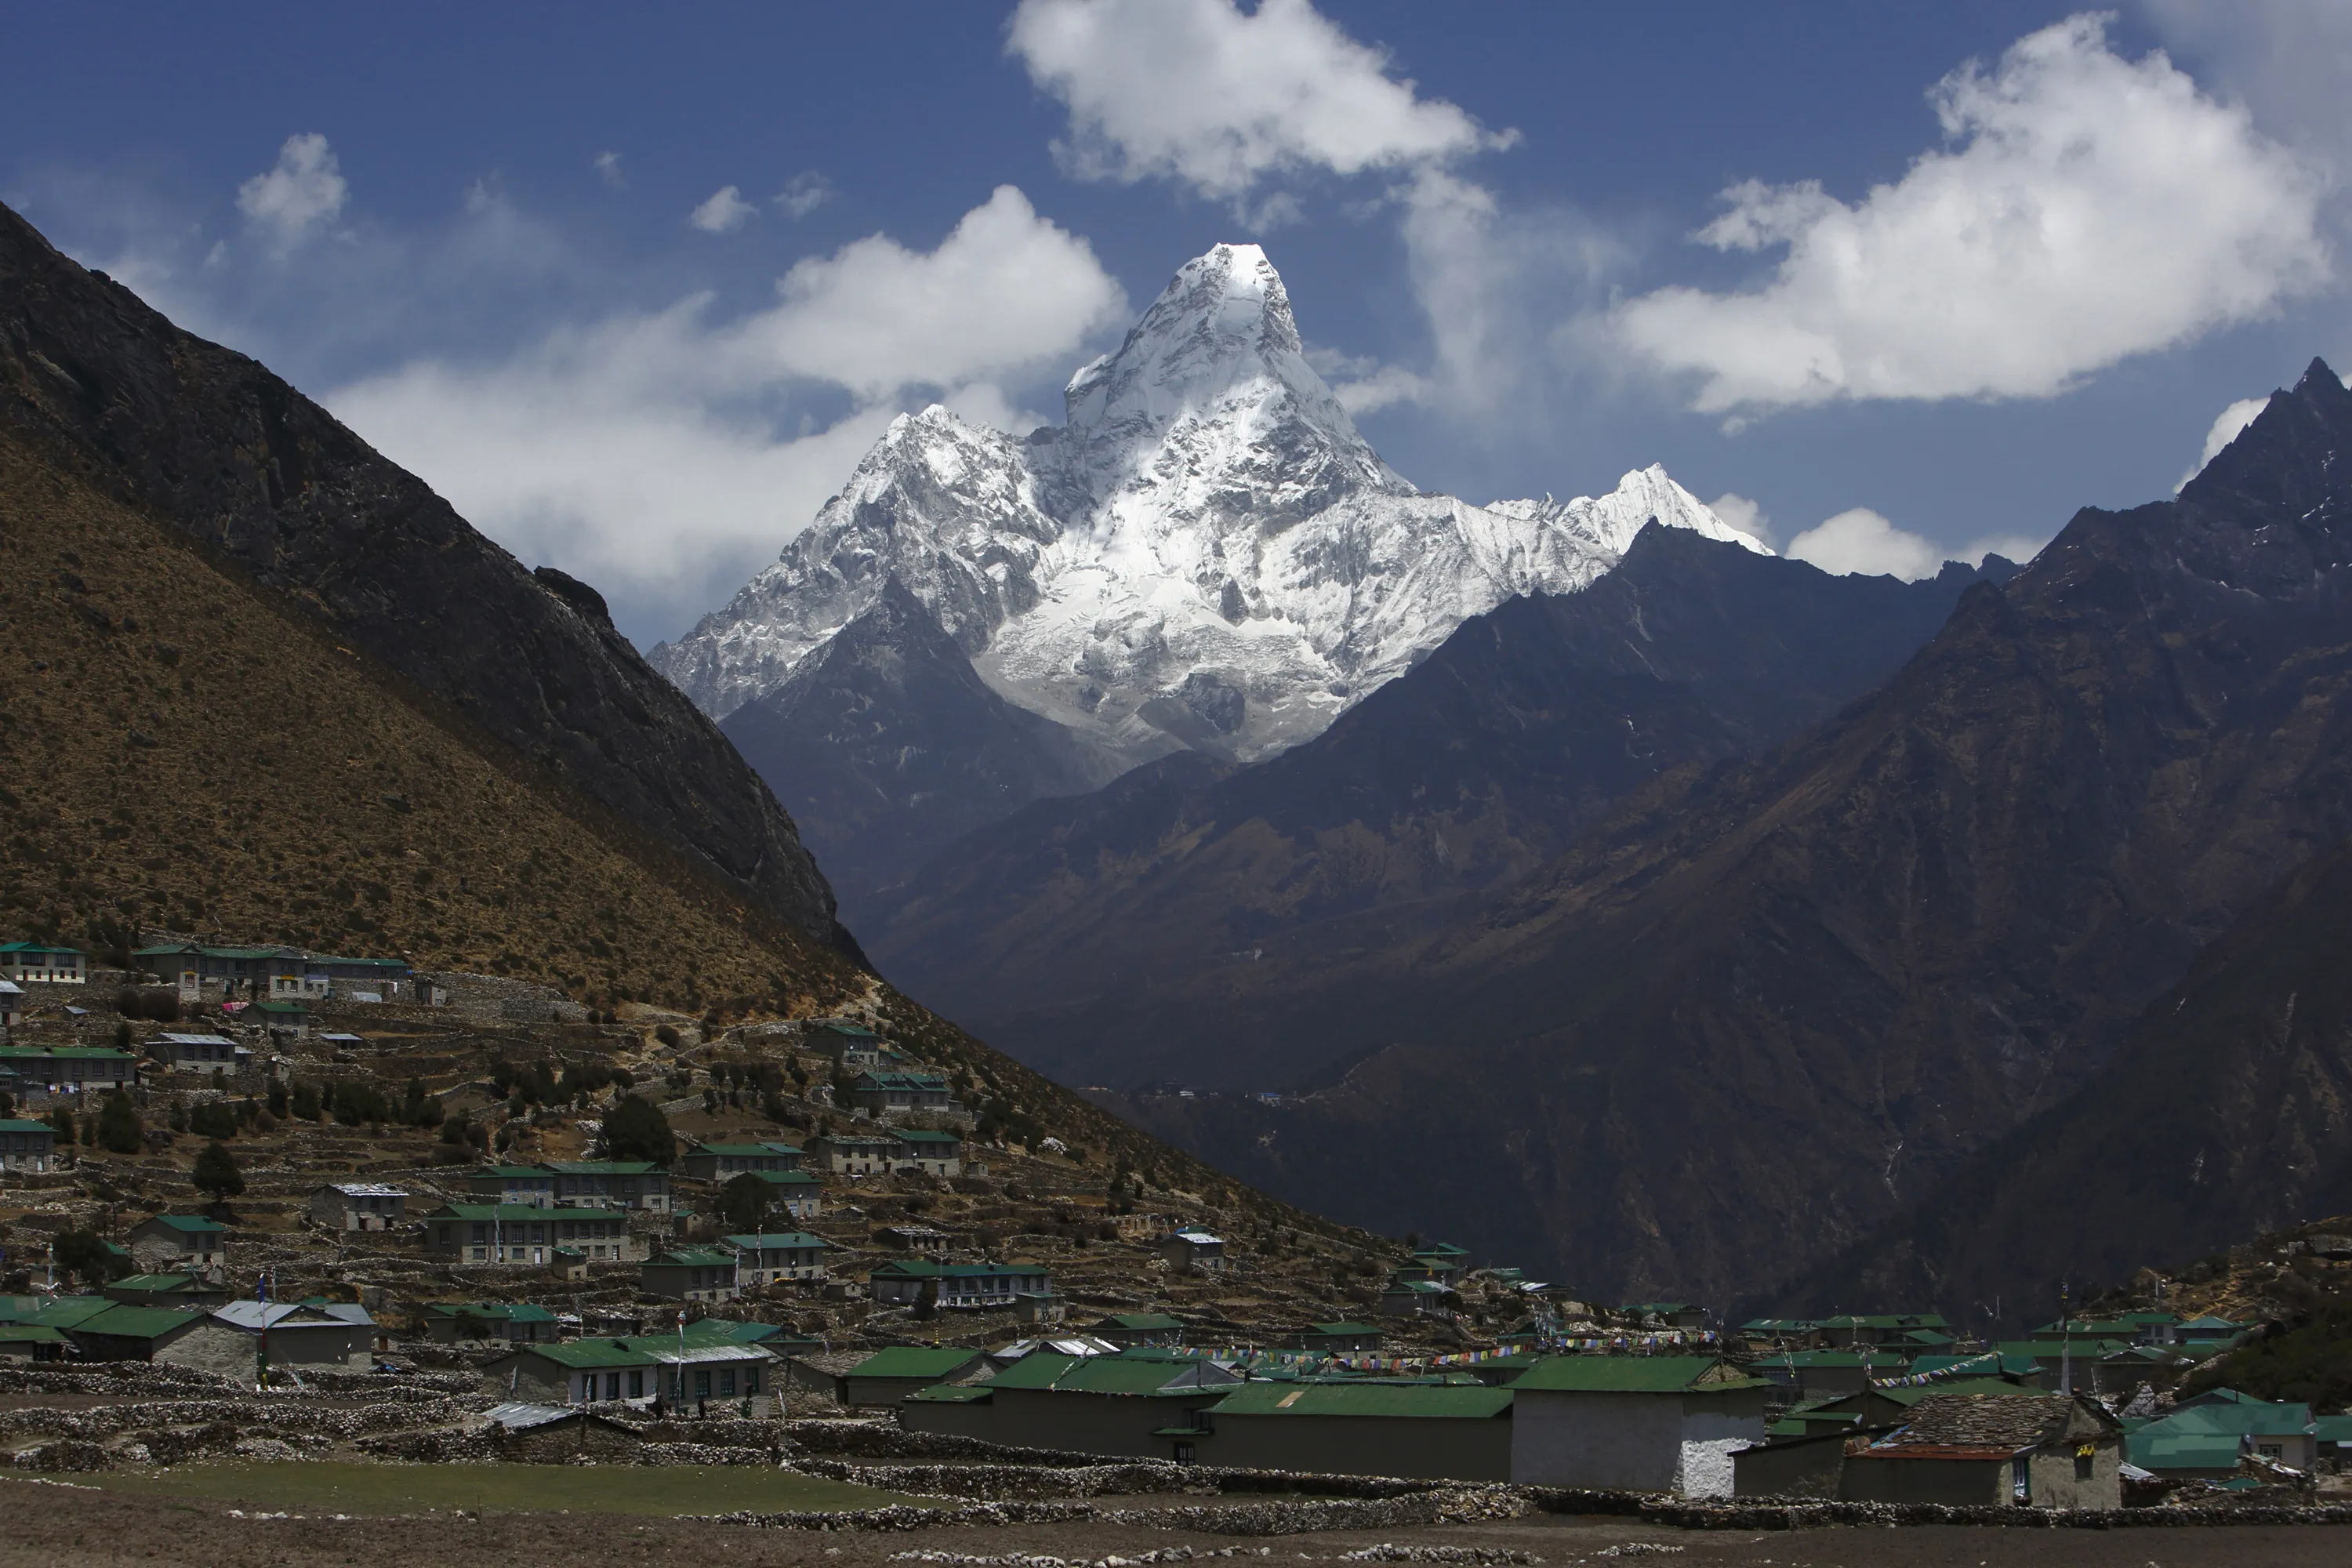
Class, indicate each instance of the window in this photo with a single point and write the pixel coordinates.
(752, 1379)
(638, 1385)
(612, 1385)
(702, 1383)
(2020, 1480)
(726, 1382)
(2083, 1462)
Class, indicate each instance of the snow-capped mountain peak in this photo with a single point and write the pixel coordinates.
(1206, 554)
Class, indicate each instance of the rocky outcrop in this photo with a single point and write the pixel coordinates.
(268, 481)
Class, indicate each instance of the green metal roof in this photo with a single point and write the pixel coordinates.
(2249, 1418)
(923, 1135)
(733, 1332)
(493, 1311)
(693, 1257)
(37, 1333)
(1633, 1374)
(152, 1283)
(66, 1312)
(932, 1362)
(18, 1124)
(33, 947)
(1473, 1403)
(509, 1172)
(1141, 1322)
(769, 1240)
(742, 1151)
(2170, 1450)
(954, 1393)
(601, 1167)
(134, 1322)
(789, 1178)
(192, 1224)
(63, 1053)
(923, 1268)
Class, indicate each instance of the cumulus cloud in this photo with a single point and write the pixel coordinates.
(300, 197)
(2086, 208)
(661, 456)
(1862, 543)
(1224, 101)
(2231, 420)
(723, 211)
(1748, 517)
(803, 194)
(608, 169)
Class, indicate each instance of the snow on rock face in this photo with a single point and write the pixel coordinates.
(1206, 554)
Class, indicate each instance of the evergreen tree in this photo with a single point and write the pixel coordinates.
(744, 1202)
(216, 1175)
(119, 1131)
(635, 1128)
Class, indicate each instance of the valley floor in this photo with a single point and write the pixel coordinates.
(62, 1525)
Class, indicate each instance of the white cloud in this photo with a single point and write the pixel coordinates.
(1748, 517)
(803, 194)
(1861, 541)
(662, 456)
(723, 211)
(304, 193)
(608, 169)
(2088, 209)
(1210, 96)
(2231, 420)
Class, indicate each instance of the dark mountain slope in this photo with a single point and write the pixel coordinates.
(2226, 1112)
(1762, 1009)
(1121, 937)
(885, 744)
(247, 466)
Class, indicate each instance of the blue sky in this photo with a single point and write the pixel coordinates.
(497, 240)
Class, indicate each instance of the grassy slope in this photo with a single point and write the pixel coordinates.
(200, 756)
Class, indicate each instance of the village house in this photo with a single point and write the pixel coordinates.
(1423, 1430)
(636, 1184)
(1129, 1403)
(39, 964)
(1124, 1329)
(933, 1153)
(1417, 1299)
(856, 1046)
(359, 1206)
(26, 1148)
(798, 1194)
(705, 1274)
(181, 1291)
(12, 1005)
(237, 1337)
(1339, 1339)
(1641, 1422)
(2204, 1437)
(79, 1069)
(31, 1341)
(179, 1243)
(888, 1093)
(129, 1333)
(2042, 1450)
(281, 1017)
(638, 1367)
(854, 1153)
(771, 1257)
(200, 1053)
(725, 1162)
(925, 1240)
(1664, 1315)
(1194, 1249)
(967, 1286)
(484, 1234)
(530, 1185)
(889, 1376)
(460, 1322)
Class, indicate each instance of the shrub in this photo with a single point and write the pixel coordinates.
(82, 1254)
(744, 1202)
(275, 1104)
(667, 1034)
(305, 1103)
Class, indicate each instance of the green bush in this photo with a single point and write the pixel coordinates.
(216, 1175)
(744, 1202)
(82, 1254)
(212, 1120)
(635, 1128)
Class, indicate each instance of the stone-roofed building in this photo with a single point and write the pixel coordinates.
(633, 1367)
(512, 1184)
(2043, 1450)
(971, 1285)
(200, 1053)
(854, 1153)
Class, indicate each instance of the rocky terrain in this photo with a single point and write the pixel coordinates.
(1148, 933)
(1813, 985)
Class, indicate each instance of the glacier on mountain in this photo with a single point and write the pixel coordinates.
(1205, 553)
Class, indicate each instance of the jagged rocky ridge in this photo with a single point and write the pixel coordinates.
(240, 462)
(1129, 936)
(1762, 1009)
(1206, 554)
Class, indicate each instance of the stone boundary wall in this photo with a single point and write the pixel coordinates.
(341, 1422)
(1765, 1514)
